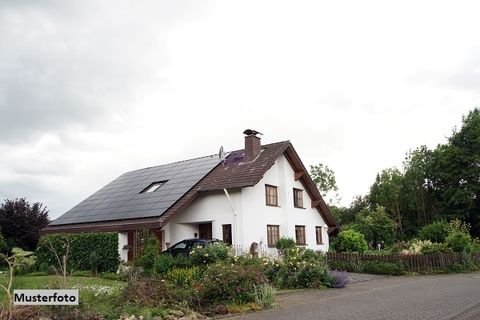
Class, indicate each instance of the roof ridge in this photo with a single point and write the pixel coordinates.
(211, 155)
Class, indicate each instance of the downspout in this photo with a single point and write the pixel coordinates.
(235, 236)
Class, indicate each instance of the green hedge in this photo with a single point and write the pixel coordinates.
(105, 245)
(394, 268)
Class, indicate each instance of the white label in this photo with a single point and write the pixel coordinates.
(46, 297)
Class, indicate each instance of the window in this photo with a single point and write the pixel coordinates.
(300, 235)
(153, 187)
(318, 233)
(271, 195)
(273, 234)
(298, 198)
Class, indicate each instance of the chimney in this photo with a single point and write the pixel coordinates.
(252, 145)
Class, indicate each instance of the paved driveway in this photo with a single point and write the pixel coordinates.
(442, 297)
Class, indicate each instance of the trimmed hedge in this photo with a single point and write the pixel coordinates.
(82, 245)
(394, 268)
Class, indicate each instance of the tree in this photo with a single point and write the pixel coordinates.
(386, 192)
(376, 225)
(456, 173)
(324, 179)
(18, 260)
(346, 215)
(3, 243)
(21, 222)
(419, 204)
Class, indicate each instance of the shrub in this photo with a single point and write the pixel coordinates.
(416, 246)
(225, 284)
(285, 243)
(94, 260)
(374, 267)
(163, 263)
(265, 295)
(182, 261)
(435, 248)
(150, 251)
(337, 279)
(81, 245)
(435, 232)
(298, 268)
(183, 277)
(210, 254)
(383, 267)
(459, 241)
(351, 241)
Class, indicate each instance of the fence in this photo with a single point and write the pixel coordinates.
(412, 262)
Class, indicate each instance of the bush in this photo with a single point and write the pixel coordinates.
(416, 246)
(298, 268)
(146, 260)
(351, 241)
(213, 253)
(383, 267)
(435, 232)
(163, 263)
(223, 284)
(337, 279)
(285, 243)
(459, 241)
(435, 248)
(373, 267)
(81, 245)
(265, 295)
(183, 277)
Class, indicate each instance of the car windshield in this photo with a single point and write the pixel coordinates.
(180, 245)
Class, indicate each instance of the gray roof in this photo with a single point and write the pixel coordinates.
(123, 198)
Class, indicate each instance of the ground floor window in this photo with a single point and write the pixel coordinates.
(318, 232)
(273, 234)
(300, 235)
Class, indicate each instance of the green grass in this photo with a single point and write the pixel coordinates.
(86, 285)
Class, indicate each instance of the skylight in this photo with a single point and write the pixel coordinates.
(153, 187)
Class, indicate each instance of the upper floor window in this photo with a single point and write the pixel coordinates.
(271, 195)
(300, 235)
(298, 198)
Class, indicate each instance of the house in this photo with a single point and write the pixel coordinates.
(257, 194)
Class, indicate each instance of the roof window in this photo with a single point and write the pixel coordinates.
(153, 186)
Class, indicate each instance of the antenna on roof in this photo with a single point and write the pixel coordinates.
(221, 154)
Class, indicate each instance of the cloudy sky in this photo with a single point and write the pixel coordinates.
(91, 89)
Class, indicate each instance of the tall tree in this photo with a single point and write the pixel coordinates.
(21, 222)
(324, 178)
(376, 225)
(418, 202)
(456, 172)
(386, 192)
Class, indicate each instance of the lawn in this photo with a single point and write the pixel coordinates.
(86, 285)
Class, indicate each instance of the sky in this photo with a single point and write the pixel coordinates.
(92, 89)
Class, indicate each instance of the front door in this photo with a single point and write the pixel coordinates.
(205, 230)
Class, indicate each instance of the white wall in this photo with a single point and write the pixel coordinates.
(122, 241)
(253, 215)
(257, 215)
(211, 207)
